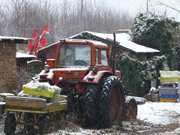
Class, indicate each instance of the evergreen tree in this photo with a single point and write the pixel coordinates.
(156, 32)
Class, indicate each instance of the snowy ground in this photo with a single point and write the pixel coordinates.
(159, 113)
(153, 119)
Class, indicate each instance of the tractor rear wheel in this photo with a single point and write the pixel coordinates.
(111, 102)
(10, 124)
(89, 106)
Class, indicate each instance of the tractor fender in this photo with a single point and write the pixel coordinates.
(95, 77)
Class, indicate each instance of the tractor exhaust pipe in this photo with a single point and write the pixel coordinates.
(114, 53)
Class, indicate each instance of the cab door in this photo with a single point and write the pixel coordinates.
(102, 59)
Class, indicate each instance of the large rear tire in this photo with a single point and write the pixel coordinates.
(10, 124)
(111, 102)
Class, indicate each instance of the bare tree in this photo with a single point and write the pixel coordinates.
(64, 18)
(3, 20)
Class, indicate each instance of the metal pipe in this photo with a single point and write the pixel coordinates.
(147, 6)
(114, 53)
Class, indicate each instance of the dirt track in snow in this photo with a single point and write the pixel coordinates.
(153, 119)
(129, 128)
(137, 127)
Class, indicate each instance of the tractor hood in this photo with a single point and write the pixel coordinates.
(67, 74)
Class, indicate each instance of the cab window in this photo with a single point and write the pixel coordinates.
(104, 60)
(75, 55)
(101, 57)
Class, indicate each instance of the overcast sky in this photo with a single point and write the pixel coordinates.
(135, 6)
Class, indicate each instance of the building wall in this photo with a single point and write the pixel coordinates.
(7, 67)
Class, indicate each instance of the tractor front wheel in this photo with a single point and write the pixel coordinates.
(89, 106)
(111, 102)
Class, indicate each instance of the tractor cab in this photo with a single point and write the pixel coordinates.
(73, 59)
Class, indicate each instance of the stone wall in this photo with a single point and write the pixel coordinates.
(7, 67)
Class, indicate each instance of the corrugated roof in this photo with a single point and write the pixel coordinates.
(123, 40)
(14, 39)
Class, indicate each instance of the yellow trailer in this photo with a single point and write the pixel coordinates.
(34, 114)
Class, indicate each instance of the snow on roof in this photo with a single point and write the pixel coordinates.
(24, 55)
(97, 43)
(13, 38)
(124, 40)
(85, 41)
(77, 40)
(16, 39)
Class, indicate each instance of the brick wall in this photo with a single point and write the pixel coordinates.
(7, 67)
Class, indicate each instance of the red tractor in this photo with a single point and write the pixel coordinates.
(81, 68)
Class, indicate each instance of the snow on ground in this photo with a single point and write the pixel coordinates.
(139, 100)
(159, 113)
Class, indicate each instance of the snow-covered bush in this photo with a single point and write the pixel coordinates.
(157, 32)
(137, 75)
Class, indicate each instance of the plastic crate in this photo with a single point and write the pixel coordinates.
(168, 91)
(168, 96)
(168, 100)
